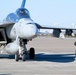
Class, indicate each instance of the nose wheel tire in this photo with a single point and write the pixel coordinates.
(23, 57)
(32, 53)
(16, 57)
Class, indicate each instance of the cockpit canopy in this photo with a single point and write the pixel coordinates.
(22, 13)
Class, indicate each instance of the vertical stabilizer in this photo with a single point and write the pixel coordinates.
(23, 3)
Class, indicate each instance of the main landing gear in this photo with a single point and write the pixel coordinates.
(23, 51)
(32, 53)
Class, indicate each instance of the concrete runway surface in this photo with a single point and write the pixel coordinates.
(53, 57)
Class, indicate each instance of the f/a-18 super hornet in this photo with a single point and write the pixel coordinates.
(17, 29)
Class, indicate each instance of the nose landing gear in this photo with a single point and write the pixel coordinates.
(23, 51)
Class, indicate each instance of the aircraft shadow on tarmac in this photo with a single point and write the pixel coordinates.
(60, 58)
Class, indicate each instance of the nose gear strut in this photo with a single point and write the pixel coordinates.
(23, 51)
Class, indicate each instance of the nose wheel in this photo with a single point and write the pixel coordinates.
(23, 51)
(23, 56)
(16, 57)
(32, 53)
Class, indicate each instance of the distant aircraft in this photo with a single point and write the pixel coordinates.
(17, 29)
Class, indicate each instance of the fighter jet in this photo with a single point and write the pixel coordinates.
(17, 29)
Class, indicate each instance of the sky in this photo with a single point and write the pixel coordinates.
(44, 12)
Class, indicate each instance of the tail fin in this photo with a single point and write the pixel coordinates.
(23, 3)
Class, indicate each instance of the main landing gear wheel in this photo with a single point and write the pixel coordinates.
(32, 53)
(75, 43)
(23, 57)
(16, 57)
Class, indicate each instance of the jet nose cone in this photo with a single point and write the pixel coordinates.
(33, 30)
(30, 31)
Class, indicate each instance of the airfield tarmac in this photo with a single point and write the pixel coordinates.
(53, 57)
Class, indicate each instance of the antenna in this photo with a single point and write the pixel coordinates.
(23, 3)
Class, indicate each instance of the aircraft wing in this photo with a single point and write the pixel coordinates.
(57, 30)
(5, 24)
(54, 27)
